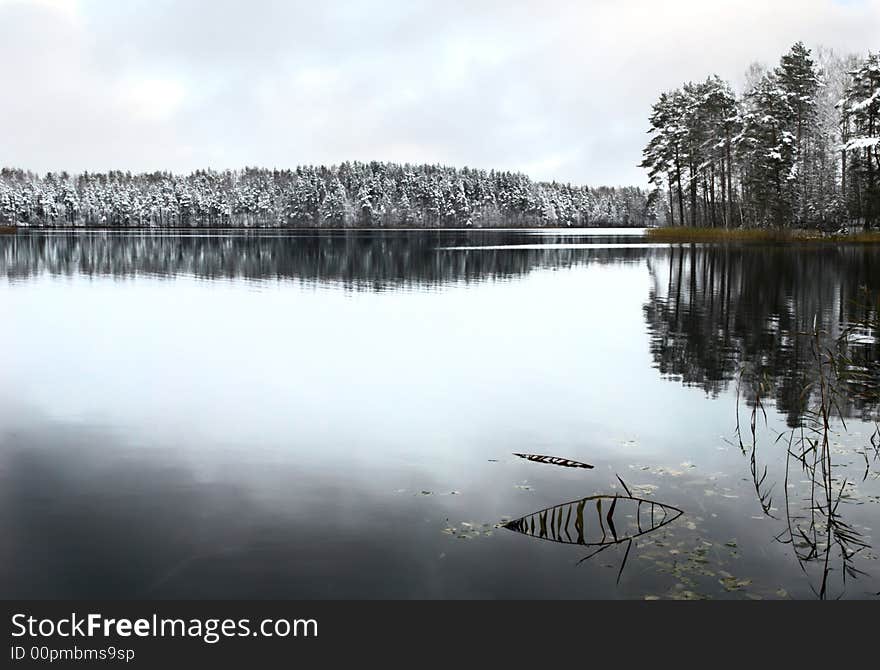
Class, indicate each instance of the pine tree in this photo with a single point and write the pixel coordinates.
(862, 141)
(662, 156)
(799, 83)
(766, 148)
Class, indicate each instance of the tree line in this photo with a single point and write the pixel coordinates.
(800, 148)
(352, 194)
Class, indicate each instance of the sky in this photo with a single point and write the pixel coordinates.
(557, 90)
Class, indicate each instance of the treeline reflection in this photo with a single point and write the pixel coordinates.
(370, 260)
(716, 310)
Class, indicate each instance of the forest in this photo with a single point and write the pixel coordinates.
(800, 148)
(350, 195)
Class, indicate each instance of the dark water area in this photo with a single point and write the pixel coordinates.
(432, 414)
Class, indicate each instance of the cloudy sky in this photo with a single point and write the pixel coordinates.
(559, 90)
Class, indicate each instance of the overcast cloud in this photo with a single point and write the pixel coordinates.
(560, 90)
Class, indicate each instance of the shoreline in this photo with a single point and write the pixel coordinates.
(11, 229)
(686, 234)
(671, 235)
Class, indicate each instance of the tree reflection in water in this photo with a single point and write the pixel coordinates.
(796, 326)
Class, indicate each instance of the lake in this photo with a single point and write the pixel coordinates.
(336, 414)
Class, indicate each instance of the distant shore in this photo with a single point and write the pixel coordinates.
(348, 195)
(685, 234)
(9, 229)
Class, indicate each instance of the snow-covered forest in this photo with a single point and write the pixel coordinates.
(799, 148)
(348, 195)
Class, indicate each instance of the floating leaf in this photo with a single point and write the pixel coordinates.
(643, 489)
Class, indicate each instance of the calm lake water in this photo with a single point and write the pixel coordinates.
(336, 415)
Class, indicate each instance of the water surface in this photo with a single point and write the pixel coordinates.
(335, 414)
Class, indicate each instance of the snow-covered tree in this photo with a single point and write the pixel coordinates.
(861, 108)
(798, 148)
